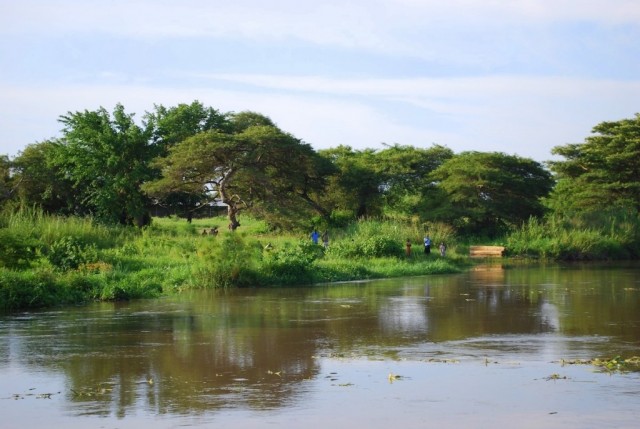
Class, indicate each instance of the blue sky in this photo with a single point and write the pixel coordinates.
(518, 77)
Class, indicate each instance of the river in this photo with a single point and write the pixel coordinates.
(498, 346)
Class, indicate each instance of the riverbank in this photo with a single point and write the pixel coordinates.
(50, 261)
(54, 261)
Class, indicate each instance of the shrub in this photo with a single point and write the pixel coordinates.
(291, 264)
(229, 261)
(29, 290)
(69, 253)
(16, 250)
(367, 247)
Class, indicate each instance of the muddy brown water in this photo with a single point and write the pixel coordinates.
(494, 347)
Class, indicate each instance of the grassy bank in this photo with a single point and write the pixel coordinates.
(611, 237)
(47, 261)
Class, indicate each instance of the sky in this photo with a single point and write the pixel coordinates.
(512, 76)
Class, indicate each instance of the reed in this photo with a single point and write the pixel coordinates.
(576, 239)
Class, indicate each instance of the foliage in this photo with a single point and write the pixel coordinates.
(407, 185)
(292, 264)
(6, 181)
(259, 166)
(172, 126)
(576, 239)
(70, 252)
(106, 157)
(355, 187)
(229, 261)
(28, 289)
(484, 193)
(601, 173)
(16, 249)
(100, 173)
(42, 183)
(618, 364)
(370, 239)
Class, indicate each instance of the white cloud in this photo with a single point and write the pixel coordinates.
(487, 104)
(527, 116)
(373, 24)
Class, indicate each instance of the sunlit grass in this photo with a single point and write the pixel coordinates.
(172, 255)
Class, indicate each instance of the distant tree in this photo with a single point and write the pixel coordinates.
(40, 182)
(356, 187)
(407, 185)
(241, 121)
(6, 185)
(172, 126)
(255, 165)
(603, 173)
(106, 157)
(483, 193)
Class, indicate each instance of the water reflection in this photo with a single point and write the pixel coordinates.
(259, 349)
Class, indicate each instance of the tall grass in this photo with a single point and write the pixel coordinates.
(47, 228)
(49, 260)
(379, 238)
(575, 239)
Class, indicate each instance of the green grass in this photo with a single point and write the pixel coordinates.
(48, 260)
(574, 239)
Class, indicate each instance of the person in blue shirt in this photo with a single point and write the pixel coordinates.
(427, 245)
(314, 236)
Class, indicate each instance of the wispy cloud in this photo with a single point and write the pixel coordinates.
(359, 23)
(515, 76)
(515, 115)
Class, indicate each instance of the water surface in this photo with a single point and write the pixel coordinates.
(479, 349)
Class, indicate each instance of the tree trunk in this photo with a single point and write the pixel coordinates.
(317, 207)
(232, 212)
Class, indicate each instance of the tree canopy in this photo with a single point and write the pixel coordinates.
(6, 188)
(190, 156)
(41, 182)
(603, 173)
(255, 165)
(487, 192)
(106, 158)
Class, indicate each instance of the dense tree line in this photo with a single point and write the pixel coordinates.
(188, 157)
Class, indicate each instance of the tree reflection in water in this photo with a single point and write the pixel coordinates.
(257, 349)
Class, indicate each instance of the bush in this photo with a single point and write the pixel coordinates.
(69, 253)
(29, 290)
(291, 265)
(16, 250)
(229, 261)
(367, 247)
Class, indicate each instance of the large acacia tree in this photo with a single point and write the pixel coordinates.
(601, 174)
(172, 125)
(482, 193)
(254, 165)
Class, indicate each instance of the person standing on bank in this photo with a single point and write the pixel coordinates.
(443, 249)
(325, 239)
(427, 245)
(408, 247)
(314, 236)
